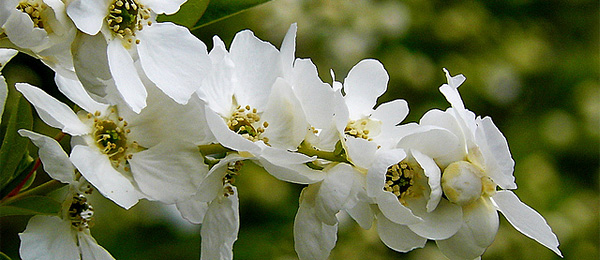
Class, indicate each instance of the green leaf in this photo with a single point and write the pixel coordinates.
(25, 166)
(188, 15)
(220, 9)
(32, 205)
(14, 147)
(4, 256)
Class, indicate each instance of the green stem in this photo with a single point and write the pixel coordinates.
(330, 156)
(209, 149)
(43, 189)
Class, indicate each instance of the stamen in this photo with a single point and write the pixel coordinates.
(80, 212)
(244, 122)
(399, 180)
(35, 10)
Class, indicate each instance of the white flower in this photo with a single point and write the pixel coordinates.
(115, 156)
(405, 185)
(216, 207)
(66, 236)
(315, 225)
(168, 54)
(40, 28)
(251, 109)
(470, 175)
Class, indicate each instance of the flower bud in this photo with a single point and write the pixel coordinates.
(461, 183)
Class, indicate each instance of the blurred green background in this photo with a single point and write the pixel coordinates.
(533, 66)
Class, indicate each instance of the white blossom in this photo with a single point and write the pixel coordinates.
(251, 109)
(471, 174)
(114, 155)
(168, 54)
(66, 236)
(40, 28)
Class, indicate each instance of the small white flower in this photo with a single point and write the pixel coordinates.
(316, 224)
(66, 236)
(471, 174)
(169, 55)
(40, 28)
(113, 157)
(255, 111)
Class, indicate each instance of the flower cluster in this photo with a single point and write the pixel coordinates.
(160, 118)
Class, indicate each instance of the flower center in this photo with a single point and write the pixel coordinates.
(110, 135)
(233, 169)
(35, 10)
(363, 128)
(125, 17)
(245, 121)
(400, 180)
(80, 212)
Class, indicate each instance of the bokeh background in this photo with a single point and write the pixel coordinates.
(532, 65)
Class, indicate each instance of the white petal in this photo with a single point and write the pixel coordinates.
(164, 6)
(90, 249)
(362, 214)
(396, 236)
(360, 151)
(288, 49)
(499, 164)
(193, 210)
(169, 172)
(476, 234)
(212, 185)
(73, 89)
(434, 176)
(217, 87)
(48, 238)
(125, 75)
(316, 97)
(173, 59)
(287, 123)
(257, 66)
(365, 82)
(228, 138)
(377, 171)
(313, 239)
(53, 112)
(5, 56)
(88, 16)
(3, 94)
(56, 162)
(165, 119)
(450, 90)
(90, 57)
(526, 220)
(432, 141)
(20, 30)
(391, 113)
(334, 192)
(97, 169)
(441, 223)
(394, 211)
(294, 173)
(220, 228)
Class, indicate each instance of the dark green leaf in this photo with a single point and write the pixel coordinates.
(33, 205)
(220, 9)
(25, 167)
(4, 256)
(188, 15)
(14, 147)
